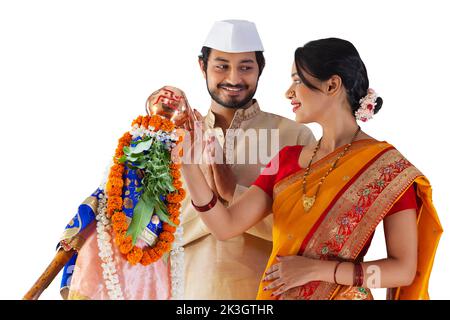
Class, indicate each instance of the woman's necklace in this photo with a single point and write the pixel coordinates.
(308, 202)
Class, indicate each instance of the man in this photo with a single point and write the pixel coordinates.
(232, 61)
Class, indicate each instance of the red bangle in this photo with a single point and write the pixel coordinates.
(207, 206)
(335, 269)
(358, 279)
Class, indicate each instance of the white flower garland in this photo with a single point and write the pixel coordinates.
(169, 139)
(106, 252)
(177, 265)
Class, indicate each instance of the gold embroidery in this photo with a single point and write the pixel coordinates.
(128, 203)
(353, 293)
(92, 202)
(75, 295)
(71, 232)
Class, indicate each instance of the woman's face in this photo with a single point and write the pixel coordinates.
(308, 105)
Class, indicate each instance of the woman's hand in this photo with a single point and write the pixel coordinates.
(291, 272)
(193, 145)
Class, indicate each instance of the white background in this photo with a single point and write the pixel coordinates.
(73, 75)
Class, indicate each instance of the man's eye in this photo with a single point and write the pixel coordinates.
(246, 68)
(221, 66)
(298, 81)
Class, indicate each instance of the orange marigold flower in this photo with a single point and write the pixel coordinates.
(117, 171)
(155, 121)
(158, 252)
(174, 206)
(119, 149)
(135, 255)
(175, 166)
(152, 254)
(119, 237)
(169, 228)
(120, 226)
(182, 193)
(175, 174)
(171, 197)
(177, 184)
(125, 139)
(167, 125)
(126, 246)
(163, 246)
(119, 217)
(115, 202)
(173, 213)
(114, 186)
(137, 121)
(146, 259)
(166, 236)
(176, 197)
(145, 121)
(176, 221)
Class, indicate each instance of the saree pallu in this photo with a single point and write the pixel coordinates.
(352, 201)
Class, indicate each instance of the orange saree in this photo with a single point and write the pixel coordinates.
(354, 198)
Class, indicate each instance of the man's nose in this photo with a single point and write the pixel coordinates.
(234, 77)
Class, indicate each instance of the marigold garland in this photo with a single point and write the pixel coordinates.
(114, 189)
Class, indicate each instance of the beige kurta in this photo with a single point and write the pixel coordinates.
(232, 269)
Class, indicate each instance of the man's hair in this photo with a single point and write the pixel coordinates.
(205, 52)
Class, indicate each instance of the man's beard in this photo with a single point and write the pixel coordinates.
(233, 102)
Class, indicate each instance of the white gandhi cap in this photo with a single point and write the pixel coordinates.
(234, 36)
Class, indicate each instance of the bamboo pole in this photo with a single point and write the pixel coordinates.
(58, 262)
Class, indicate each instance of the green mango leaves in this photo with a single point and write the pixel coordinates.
(151, 156)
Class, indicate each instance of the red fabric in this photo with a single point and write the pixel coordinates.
(407, 201)
(286, 162)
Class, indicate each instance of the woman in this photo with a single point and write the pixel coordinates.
(328, 198)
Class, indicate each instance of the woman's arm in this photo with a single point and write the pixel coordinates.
(225, 223)
(397, 270)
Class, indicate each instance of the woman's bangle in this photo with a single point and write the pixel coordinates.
(335, 269)
(358, 275)
(207, 206)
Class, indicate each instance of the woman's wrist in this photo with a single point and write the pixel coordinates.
(325, 270)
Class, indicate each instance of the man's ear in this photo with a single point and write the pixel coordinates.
(202, 67)
(334, 84)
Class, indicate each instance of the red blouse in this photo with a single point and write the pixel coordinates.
(287, 163)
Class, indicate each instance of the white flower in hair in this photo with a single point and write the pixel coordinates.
(367, 106)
